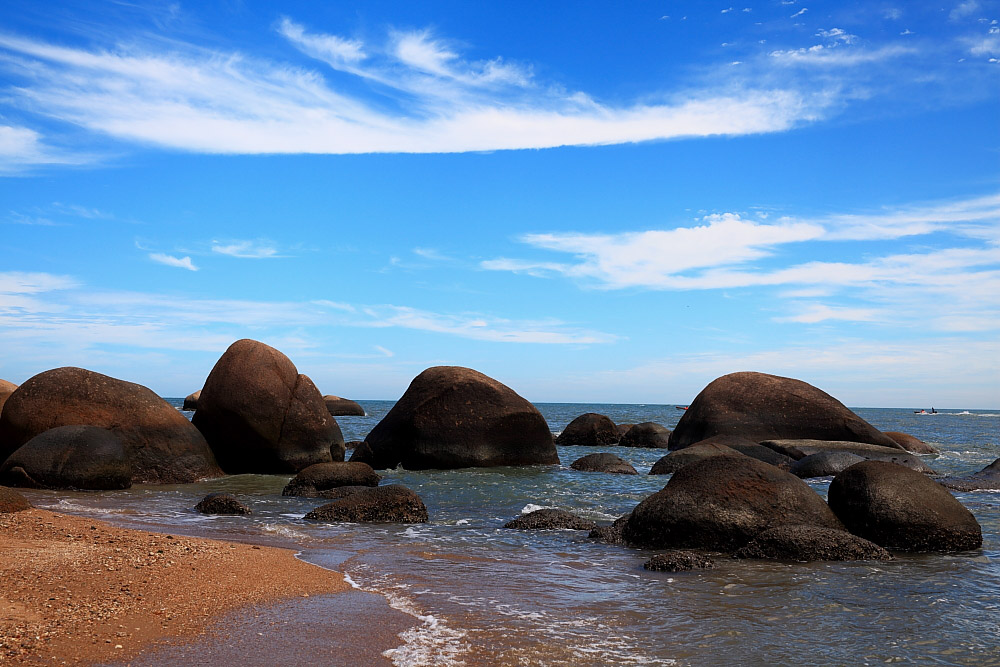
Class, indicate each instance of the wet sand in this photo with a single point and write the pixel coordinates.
(78, 591)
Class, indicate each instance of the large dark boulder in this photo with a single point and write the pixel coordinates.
(647, 434)
(911, 443)
(713, 504)
(799, 449)
(224, 504)
(6, 389)
(11, 501)
(824, 464)
(261, 416)
(550, 519)
(678, 560)
(343, 407)
(589, 430)
(987, 479)
(454, 417)
(809, 543)
(748, 448)
(760, 407)
(191, 401)
(69, 457)
(603, 462)
(161, 444)
(901, 509)
(675, 460)
(379, 504)
(319, 477)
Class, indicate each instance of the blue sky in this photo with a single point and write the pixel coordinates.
(590, 202)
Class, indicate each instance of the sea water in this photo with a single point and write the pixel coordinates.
(482, 594)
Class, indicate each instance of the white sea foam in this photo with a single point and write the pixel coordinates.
(531, 507)
(283, 531)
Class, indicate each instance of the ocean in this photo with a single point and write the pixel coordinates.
(482, 594)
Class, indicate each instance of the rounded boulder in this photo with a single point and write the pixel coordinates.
(69, 457)
(222, 503)
(912, 443)
(12, 501)
(676, 460)
(647, 434)
(589, 430)
(343, 407)
(380, 504)
(901, 509)
(260, 415)
(550, 519)
(455, 417)
(161, 444)
(824, 464)
(191, 401)
(319, 477)
(6, 389)
(810, 543)
(603, 462)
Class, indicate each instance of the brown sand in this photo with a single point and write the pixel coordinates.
(78, 591)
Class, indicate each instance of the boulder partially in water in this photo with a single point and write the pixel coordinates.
(987, 479)
(589, 430)
(612, 533)
(163, 447)
(901, 509)
(69, 457)
(191, 401)
(454, 417)
(677, 459)
(824, 464)
(12, 501)
(222, 504)
(760, 407)
(312, 481)
(379, 504)
(343, 407)
(799, 449)
(748, 448)
(715, 505)
(647, 434)
(260, 415)
(603, 462)
(911, 443)
(810, 543)
(550, 519)
(678, 560)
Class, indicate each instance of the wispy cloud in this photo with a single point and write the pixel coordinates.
(259, 249)
(170, 260)
(22, 148)
(963, 9)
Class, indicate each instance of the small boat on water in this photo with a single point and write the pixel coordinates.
(681, 407)
(924, 412)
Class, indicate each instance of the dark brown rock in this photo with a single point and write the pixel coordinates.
(550, 519)
(343, 407)
(380, 504)
(810, 543)
(222, 503)
(760, 407)
(986, 479)
(12, 501)
(319, 477)
(715, 505)
(161, 444)
(603, 462)
(676, 460)
(799, 449)
(750, 448)
(610, 534)
(678, 560)
(191, 401)
(341, 492)
(363, 454)
(911, 443)
(454, 417)
(901, 509)
(647, 434)
(589, 430)
(622, 429)
(261, 416)
(69, 457)
(824, 464)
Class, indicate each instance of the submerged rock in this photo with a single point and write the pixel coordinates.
(589, 430)
(810, 543)
(454, 417)
(760, 407)
(380, 504)
(12, 501)
(647, 434)
(343, 407)
(222, 503)
(319, 477)
(679, 561)
(901, 509)
(550, 519)
(69, 457)
(986, 479)
(603, 462)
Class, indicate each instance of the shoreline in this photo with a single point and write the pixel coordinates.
(78, 590)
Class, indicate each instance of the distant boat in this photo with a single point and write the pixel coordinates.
(681, 407)
(924, 412)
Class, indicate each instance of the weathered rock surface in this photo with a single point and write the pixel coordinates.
(799, 449)
(6, 389)
(341, 492)
(12, 501)
(454, 417)
(191, 401)
(380, 504)
(550, 519)
(603, 462)
(809, 543)
(715, 505)
(621, 430)
(161, 444)
(824, 464)
(760, 407)
(222, 503)
(312, 481)
(343, 407)
(261, 416)
(611, 534)
(677, 459)
(911, 443)
(678, 560)
(901, 509)
(986, 479)
(69, 457)
(589, 430)
(647, 434)
(749, 448)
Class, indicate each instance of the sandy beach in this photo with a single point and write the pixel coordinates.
(79, 591)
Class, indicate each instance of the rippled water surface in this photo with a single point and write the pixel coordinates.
(483, 594)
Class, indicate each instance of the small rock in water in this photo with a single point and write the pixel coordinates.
(603, 462)
(550, 519)
(222, 503)
(679, 561)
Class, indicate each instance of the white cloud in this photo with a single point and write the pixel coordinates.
(964, 9)
(259, 249)
(815, 313)
(323, 46)
(893, 13)
(838, 34)
(799, 13)
(832, 56)
(22, 148)
(985, 46)
(20, 282)
(170, 260)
